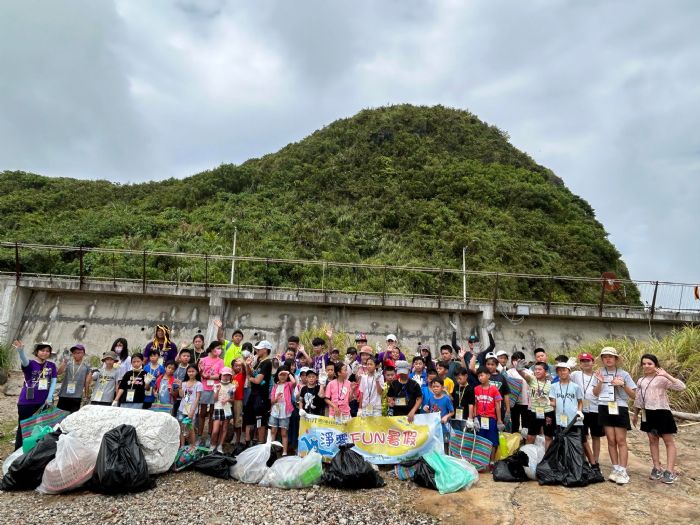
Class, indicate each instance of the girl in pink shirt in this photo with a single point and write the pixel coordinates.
(210, 371)
(339, 393)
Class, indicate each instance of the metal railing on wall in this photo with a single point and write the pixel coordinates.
(148, 267)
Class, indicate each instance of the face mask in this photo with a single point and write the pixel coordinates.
(225, 382)
(118, 348)
(217, 352)
(137, 369)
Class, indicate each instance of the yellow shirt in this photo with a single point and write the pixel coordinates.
(449, 385)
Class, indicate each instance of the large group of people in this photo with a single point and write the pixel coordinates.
(234, 392)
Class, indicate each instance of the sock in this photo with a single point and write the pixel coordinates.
(616, 468)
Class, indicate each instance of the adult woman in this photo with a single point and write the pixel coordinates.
(39, 383)
(614, 387)
(162, 343)
(657, 420)
(120, 346)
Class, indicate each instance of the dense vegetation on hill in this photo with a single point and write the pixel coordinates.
(399, 185)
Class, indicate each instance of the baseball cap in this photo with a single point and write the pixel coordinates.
(565, 364)
(501, 352)
(402, 367)
(366, 350)
(304, 369)
(490, 355)
(77, 346)
(583, 356)
(472, 339)
(423, 346)
(226, 371)
(609, 350)
(391, 337)
(43, 344)
(263, 344)
(360, 336)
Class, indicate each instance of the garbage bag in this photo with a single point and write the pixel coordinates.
(251, 464)
(424, 475)
(512, 468)
(472, 474)
(564, 462)
(121, 465)
(450, 476)
(38, 432)
(217, 465)
(9, 459)
(535, 453)
(72, 467)
(294, 472)
(25, 472)
(349, 470)
(508, 444)
(187, 455)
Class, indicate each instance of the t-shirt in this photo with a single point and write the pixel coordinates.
(586, 383)
(462, 397)
(181, 373)
(449, 385)
(239, 379)
(610, 392)
(189, 398)
(223, 394)
(566, 397)
(311, 402)
(442, 404)
(38, 378)
(123, 368)
(133, 381)
(404, 395)
(150, 390)
(198, 356)
(652, 392)
(500, 382)
(163, 389)
(524, 398)
(105, 385)
(73, 384)
(231, 352)
(539, 394)
(210, 366)
(485, 399)
(263, 367)
(340, 394)
(421, 378)
(168, 352)
(319, 362)
(371, 393)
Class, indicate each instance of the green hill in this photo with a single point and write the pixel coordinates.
(399, 185)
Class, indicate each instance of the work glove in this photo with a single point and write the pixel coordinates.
(115, 403)
(322, 381)
(302, 412)
(477, 425)
(501, 427)
(580, 415)
(359, 412)
(470, 424)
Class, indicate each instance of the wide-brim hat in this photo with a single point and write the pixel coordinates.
(609, 350)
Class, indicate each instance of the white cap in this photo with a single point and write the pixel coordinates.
(392, 337)
(501, 352)
(263, 344)
(562, 365)
(490, 355)
(402, 367)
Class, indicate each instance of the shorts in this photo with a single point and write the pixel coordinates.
(101, 403)
(279, 422)
(257, 409)
(131, 405)
(340, 418)
(622, 420)
(220, 415)
(372, 411)
(658, 423)
(591, 426)
(207, 397)
(70, 404)
(490, 433)
(238, 413)
(535, 425)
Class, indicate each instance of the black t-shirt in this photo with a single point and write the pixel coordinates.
(462, 397)
(499, 381)
(135, 381)
(311, 401)
(410, 392)
(265, 368)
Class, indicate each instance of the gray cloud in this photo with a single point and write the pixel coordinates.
(606, 94)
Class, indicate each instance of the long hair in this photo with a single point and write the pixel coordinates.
(166, 337)
(124, 354)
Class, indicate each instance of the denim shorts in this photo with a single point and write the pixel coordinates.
(278, 422)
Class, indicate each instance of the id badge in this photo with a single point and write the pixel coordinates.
(30, 393)
(227, 410)
(186, 408)
(459, 413)
(70, 388)
(485, 423)
(586, 405)
(644, 416)
(98, 396)
(258, 422)
(564, 420)
(400, 402)
(613, 409)
(539, 413)
(43, 384)
(210, 382)
(130, 396)
(160, 360)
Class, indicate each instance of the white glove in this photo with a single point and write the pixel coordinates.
(302, 412)
(580, 415)
(322, 381)
(359, 412)
(115, 403)
(470, 424)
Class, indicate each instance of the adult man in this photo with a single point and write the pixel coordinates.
(231, 348)
(257, 408)
(472, 346)
(404, 395)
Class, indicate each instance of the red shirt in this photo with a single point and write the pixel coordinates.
(239, 379)
(486, 399)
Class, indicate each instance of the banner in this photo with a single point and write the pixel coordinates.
(381, 440)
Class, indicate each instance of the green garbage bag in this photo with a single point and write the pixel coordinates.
(451, 474)
(294, 472)
(31, 441)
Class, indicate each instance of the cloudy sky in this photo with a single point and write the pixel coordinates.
(606, 94)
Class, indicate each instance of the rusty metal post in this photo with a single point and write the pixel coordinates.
(653, 300)
(206, 272)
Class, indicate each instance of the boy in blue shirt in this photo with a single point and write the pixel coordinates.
(153, 371)
(567, 398)
(439, 402)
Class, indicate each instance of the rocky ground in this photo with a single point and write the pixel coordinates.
(192, 498)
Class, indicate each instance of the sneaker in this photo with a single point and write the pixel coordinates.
(622, 478)
(613, 476)
(656, 474)
(668, 477)
(220, 449)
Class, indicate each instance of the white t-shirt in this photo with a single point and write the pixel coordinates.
(371, 395)
(617, 392)
(586, 383)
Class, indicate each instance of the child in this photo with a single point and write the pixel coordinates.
(541, 413)
(282, 407)
(371, 385)
(584, 379)
(487, 410)
(105, 381)
(431, 374)
(224, 393)
(566, 398)
(404, 394)
(166, 385)
(339, 392)
(389, 376)
(519, 393)
(133, 385)
(153, 371)
(439, 402)
(462, 398)
(418, 373)
(189, 394)
(210, 372)
(239, 377)
(76, 380)
(330, 372)
(657, 420)
(312, 396)
(443, 367)
(499, 381)
(184, 359)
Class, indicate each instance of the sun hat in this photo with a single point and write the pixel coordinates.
(402, 367)
(609, 350)
(110, 355)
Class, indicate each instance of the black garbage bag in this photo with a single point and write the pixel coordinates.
(349, 470)
(121, 466)
(216, 465)
(425, 475)
(512, 468)
(275, 454)
(564, 462)
(26, 472)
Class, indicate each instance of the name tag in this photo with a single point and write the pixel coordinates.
(130, 396)
(98, 396)
(586, 405)
(613, 409)
(400, 402)
(160, 360)
(43, 384)
(563, 420)
(186, 408)
(344, 390)
(459, 413)
(227, 410)
(210, 382)
(539, 413)
(607, 393)
(644, 416)
(70, 388)
(485, 423)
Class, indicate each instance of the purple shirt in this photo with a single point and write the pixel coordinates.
(169, 355)
(33, 373)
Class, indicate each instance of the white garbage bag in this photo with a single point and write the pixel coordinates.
(72, 467)
(535, 453)
(251, 464)
(9, 459)
(294, 472)
(158, 432)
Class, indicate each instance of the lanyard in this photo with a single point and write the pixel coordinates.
(42, 375)
(586, 386)
(566, 394)
(643, 392)
(340, 389)
(372, 383)
(132, 386)
(460, 394)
